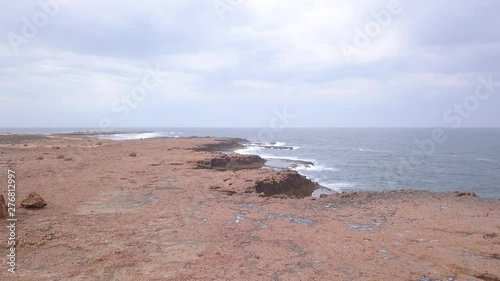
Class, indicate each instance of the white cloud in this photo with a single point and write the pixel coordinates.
(258, 84)
(94, 52)
(203, 60)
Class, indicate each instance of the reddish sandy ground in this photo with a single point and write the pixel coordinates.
(111, 216)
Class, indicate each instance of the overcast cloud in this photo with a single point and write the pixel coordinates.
(231, 62)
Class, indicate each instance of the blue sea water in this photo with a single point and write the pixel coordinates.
(357, 159)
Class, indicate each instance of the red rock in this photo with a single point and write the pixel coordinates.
(33, 201)
(286, 182)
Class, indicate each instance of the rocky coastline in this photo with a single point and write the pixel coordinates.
(180, 209)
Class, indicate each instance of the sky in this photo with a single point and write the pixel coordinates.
(248, 63)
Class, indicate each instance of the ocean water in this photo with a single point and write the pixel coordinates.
(366, 159)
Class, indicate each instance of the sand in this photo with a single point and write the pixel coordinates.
(113, 216)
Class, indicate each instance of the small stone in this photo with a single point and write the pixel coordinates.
(133, 154)
(33, 201)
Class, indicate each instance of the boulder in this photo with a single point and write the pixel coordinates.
(3, 208)
(33, 201)
(286, 182)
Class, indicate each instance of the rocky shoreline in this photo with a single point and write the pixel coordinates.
(177, 209)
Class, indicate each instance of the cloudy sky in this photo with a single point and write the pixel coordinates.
(234, 63)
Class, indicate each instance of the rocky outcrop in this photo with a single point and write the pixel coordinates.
(246, 161)
(3, 207)
(286, 182)
(222, 144)
(233, 161)
(33, 201)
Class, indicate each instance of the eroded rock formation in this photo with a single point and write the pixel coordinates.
(286, 182)
(233, 161)
(221, 144)
(33, 201)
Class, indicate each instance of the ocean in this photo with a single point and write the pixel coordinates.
(364, 159)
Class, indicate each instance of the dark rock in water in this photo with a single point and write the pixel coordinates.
(286, 182)
(232, 161)
(33, 201)
(296, 163)
(3, 208)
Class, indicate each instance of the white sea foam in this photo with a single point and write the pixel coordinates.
(258, 149)
(135, 136)
(315, 168)
(361, 149)
(337, 186)
(486, 160)
(298, 164)
(276, 144)
(249, 150)
(272, 145)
